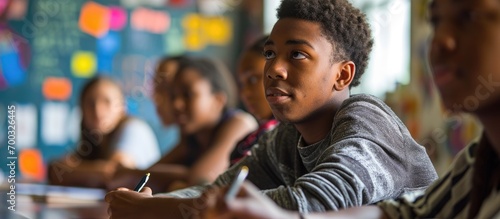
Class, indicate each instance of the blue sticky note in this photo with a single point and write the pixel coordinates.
(109, 44)
(12, 70)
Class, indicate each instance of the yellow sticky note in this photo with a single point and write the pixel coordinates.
(192, 22)
(194, 41)
(83, 64)
(217, 30)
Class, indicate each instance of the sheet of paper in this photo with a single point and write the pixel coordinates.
(54, 127)
(27, 123)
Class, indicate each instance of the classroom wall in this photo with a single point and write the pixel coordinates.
(50, 48)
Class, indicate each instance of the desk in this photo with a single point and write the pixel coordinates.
(50, 206)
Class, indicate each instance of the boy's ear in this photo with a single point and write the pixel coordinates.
(345, 76)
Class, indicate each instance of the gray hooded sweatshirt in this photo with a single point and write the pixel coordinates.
(368, 155)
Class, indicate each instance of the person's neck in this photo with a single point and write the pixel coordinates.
(317, 126)
(490, 122)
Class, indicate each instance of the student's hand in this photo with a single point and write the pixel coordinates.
(249, 204)
(125, 203)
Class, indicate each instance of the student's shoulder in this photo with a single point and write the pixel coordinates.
(134, 125)
(365, 106)
(134, 121)
(240, 116)
(367, 112)
(363, 101)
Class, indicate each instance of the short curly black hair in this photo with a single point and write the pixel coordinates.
(345, 26)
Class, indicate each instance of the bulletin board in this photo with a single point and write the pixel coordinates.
(50, 48)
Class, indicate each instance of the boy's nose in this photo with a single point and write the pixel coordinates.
(276, 71)
(444, 39)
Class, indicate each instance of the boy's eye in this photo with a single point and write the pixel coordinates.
(268, 54)
(298, 55)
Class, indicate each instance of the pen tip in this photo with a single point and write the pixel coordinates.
(147, 174)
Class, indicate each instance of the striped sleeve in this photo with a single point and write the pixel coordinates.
(448, 197)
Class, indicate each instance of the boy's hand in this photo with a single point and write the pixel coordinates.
(249, 204)
(125, 203)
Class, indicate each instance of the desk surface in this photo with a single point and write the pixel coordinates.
(54, 205)
(38, 210)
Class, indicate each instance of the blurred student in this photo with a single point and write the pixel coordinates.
(162, 84)
(464, 68)
(331, 150)
(250, 76)
(109, 139)
(203, 96)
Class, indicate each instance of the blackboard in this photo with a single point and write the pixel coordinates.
(50, 48)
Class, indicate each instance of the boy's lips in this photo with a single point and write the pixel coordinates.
(443, 75)
(276, 95)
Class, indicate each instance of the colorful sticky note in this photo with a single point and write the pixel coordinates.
(194, 41)
(150, 20)
(161, 22)
(31, 164)
(174, 44)
(26, 125)
(83, 64)
(180, 3)
(3, 5)
(109, 44)
(57, 88)
(54, 123)
(17, 9)
(94, 19)
(218, 30)
(104, 64)
(13, 73)
(192, 22)
(118, 18)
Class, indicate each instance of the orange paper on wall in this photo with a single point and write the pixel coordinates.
(57, 89)
(31, 164)
(94, 19)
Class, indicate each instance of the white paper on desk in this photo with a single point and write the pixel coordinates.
(26, 117)
(61, 193)
(54, 118)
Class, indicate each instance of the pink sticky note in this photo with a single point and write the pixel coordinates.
(118, 18)
(161, 22)
(150, 20)
(3, 5)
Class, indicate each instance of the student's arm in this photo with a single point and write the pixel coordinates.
(185, 202)
(166, 170)
(251, 204)
(445, 197)
(216, 160)
(176, 156)
(73, 171)
(125, 204)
